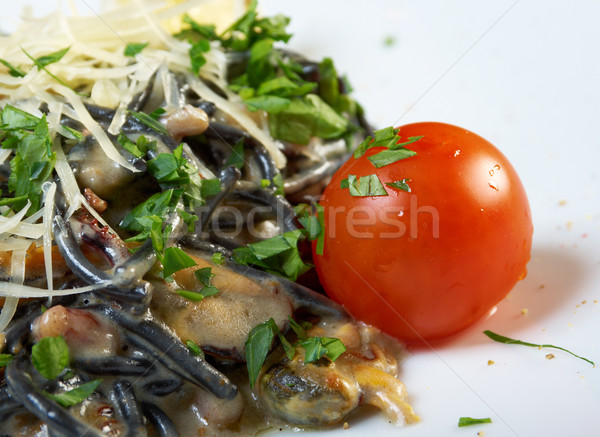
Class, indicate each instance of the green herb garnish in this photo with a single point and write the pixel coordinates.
(12, 70)
(506, 340)
(261, 337)
(401, 185)
(236, 158)
(196, 52)
(386, 157)
(175, 259)
(149, 121)
(50, 356)
(204, 276)
(467, 421)
(258, 346)
(75, 395)
(314, 225)
(34, 159)
(194, 348)
(132, 49)
(365, 186)
(137, 149)
(217, 258)
(277, 255)
(5, 359)
(317, 347)
(46, 60)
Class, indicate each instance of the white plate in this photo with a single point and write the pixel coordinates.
(524, 75)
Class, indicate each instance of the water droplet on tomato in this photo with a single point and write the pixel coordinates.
(493, 185)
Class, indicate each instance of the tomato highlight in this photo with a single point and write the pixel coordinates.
(448, 240)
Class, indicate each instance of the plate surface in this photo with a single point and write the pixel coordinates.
(523, 75)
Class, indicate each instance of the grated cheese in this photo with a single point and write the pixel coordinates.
(50, 191)
(24, 291)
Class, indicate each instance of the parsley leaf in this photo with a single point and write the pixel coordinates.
(381, 138)
(45, 60)
(34, 160)
(365, 186)
(501, 339)
(314, 225)
(5, 359)
(401, 185)
(50, 356)
(467, 421)
(149, 121)
(158, 205)
(137, 149)
(12, 70)
(42, 61)
(217, 258)
(175, 259)
(386, 157)
(316, 347)
(261, 337)
(257, 347)
(277, 255)
(236, 157)
(196, 52)
(76, 395)
(249, 29)
(194, 348)
(132, 49)
(204, 276)
(306, 117)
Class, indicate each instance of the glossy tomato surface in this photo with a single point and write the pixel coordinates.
(424, 264)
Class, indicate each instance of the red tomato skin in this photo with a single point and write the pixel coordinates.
(429, 263)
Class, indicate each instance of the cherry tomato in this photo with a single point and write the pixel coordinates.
(424, 264)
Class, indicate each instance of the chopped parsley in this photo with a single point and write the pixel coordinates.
(194, 348)
(149, 121)
(261, 337)
(268, 80)
(204, 276)
(5, 359)
(34, 160)
(180, 180)
(236, 158)
(132, 49)
(506, 340)
(389, 156)
(12, 70)
(50, 357)
(467, 421)
(137, 149)
(175, 259)
(364, 186)
(217, 258)
(401, 185)
(76, 395)
(314, 225)
(46, 60)
(389, 138)
(278, 255)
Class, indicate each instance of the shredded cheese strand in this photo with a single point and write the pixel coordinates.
(67, 178)
(8, 224)
(92, 125)
(50, 190)
(25, 291)
(17, 277)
